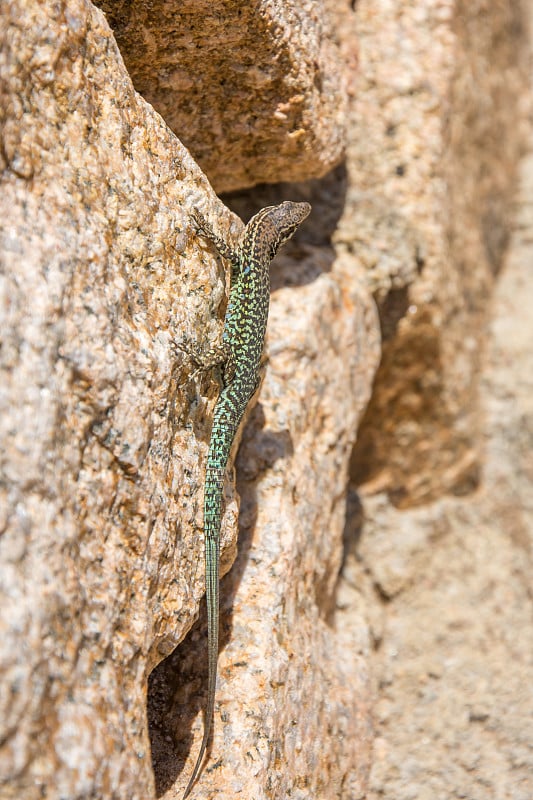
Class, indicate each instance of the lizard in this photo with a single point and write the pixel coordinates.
(243, 339)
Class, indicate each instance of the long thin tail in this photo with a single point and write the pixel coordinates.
(228, 414)
(212, 557)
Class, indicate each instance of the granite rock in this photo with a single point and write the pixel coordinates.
(255, 90)
(105, 426)
(105, 286)
(436, 127)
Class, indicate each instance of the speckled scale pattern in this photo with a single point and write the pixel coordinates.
(243, 339)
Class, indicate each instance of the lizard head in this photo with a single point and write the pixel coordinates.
(288, 216)
(276, 224)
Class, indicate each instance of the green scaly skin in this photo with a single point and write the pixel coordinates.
(242, 347)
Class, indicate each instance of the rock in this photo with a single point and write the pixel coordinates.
(105, 424)
(455, 664)
(103, 429)
(278, 601)
(255, 90)
(436, 128)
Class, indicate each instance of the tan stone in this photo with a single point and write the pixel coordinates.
(104, 433)
(255, 90)
(446, 586)
(289, 669)
(104, 426)
(455, 664)
(435, 133)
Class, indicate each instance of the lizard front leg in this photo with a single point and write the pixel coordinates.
(224, 249)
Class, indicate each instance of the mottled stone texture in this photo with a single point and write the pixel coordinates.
(104, 430)
(456, 657)
(290, 669)
(254, 89)
(103, 433)
(435, 133)
(104, 423)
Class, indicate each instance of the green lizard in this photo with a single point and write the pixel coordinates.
(240, 354)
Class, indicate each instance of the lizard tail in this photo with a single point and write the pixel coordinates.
(225, 423)
(212, 557)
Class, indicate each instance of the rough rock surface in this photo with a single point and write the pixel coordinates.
(255, 90)
(104, 425)
(278, 601)
(455, 658)
(104, 433)
(435, 133)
